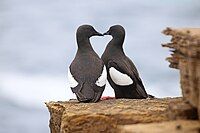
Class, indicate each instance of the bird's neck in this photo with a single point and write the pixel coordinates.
(83, 43)
(117, 42)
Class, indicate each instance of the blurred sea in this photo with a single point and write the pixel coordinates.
(37, 44)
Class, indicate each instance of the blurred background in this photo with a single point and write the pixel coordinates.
(37, 44)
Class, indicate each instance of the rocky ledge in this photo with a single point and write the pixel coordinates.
(109, 115)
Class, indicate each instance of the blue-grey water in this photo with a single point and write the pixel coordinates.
(37, 44)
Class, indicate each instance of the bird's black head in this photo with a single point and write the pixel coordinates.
(116, 31)
(87, 31)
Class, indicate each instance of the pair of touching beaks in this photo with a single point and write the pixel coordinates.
(89, 31)
(100, 34)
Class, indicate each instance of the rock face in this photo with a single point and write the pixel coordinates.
(107, 115)
(185, 47)
(179, 126)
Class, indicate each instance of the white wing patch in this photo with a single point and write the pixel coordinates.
(101, 81)
(119, 78)
(72, 82)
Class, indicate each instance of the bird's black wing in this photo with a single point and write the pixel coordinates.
(132, 66)
(126, 66)
(140, 87)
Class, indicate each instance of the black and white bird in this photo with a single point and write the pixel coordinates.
(122, 73)
(87, 73)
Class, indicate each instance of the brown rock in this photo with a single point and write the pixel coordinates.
(106, 115)
(185, 45)
(180, 126)
(182, 111)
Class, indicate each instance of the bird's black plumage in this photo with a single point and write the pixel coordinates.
(115, 57)
(86, 67)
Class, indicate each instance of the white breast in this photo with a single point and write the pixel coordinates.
(101, 81)
(72, 82)
(119, 78)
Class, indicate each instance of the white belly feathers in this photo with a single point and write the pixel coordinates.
(119, 78)
(72, 82)
(101, 81)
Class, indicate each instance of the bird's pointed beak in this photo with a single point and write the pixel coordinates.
(98, 34)
(106, 33)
